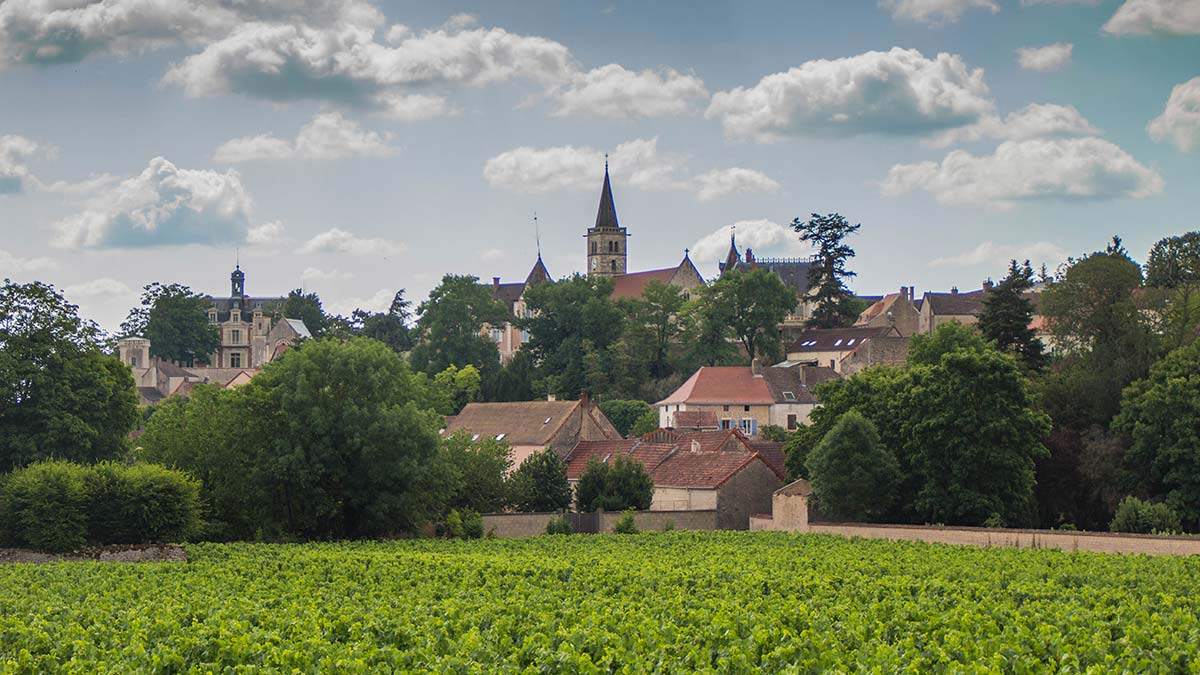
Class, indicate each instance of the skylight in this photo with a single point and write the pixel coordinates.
(838, 343)
(500, 437)
(790, 396)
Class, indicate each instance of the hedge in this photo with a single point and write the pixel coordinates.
(62, 506)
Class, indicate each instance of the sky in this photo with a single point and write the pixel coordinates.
(352, 148)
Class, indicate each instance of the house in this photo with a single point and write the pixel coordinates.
(697, 471)
(509, 338)
(157, 379)
(941, 308)
(531, 426)
(830, 347)
(244, 323)
(893, 309)
(740, 397)
(793, 272)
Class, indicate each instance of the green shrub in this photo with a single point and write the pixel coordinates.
(626, 525)
(45, 506)
(614, 486)
(625, 413)
(472, 524)
(995, 520)
(60, 506)
(559, 525)
(1141, 517)
(454, 524)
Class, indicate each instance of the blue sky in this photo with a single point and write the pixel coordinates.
(354, 148)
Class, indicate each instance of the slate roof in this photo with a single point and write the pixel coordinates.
(793, 273)
(606, 214)
(837, 339)
(738, 385)
(298, 326)
(955, 304)
(150, 394)
(522, 423)
(508, 294)
(249, 304)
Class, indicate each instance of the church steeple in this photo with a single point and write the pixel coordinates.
(733, 259)
(606, 241)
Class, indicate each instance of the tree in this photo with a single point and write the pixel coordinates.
(477, 472)
(391, 327)
(307, 308)
(616, 486)
(60, 396)
(1173, 270)
(752, 304)
(647, 422)
(1161, 414)
(454, 388)
(175, 321)
(451, 327)
(854, 477)
(652, 326)
(623, 413)
(573, 329)
(515, 381)
(832, 299)
(540, 484)
(706, 341)
(1007, 313)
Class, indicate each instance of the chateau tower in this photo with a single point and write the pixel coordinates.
(237, 291)
(606, 241)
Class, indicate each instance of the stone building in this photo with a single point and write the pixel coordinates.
(244, 323)
(894, 309)
(831, 347)
(955, 306)
(531, 426)
(746, 398)
(509, 338)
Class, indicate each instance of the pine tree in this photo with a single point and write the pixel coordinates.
(835, 305)
(1007, 313)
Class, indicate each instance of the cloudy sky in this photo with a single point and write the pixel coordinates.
(354, 148)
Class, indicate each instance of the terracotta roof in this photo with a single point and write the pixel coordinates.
(522, 423)
(955, 304)
(772, 452)
(837, 339)
(880, 306)
(722, 384)
(697, 419)
(681, 463)
(634, 284)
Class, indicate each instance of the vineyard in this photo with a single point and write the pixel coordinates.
(676, 602)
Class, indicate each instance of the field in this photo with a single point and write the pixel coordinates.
(675, 602)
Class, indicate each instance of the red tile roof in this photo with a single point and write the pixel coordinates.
(634, 284)
(739, 385)
(697, 419)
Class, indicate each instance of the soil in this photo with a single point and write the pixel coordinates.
(117, 553)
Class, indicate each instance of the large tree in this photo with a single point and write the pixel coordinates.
(834, 306)
(752, 304)
(1173, 274)
(451, 324)
(652, 327)
(614, 486)
(540, 484)
(574, 326)
(853, 475)
(476, 472)
(390, 327)
(307, 308)
(175, 321)
(1007, 313)
(60, 396)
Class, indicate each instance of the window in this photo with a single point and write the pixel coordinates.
(791, 422)
(726, 424)
(612, 264)
(789, 396)
(748, 426)
(133, 361)
(745, 408)
(837, 343)
(593, 248)
(235, 360)
(235, 336)
(497, 335)
(726, 408)
(212, 317)
(833, 364)
(235, 315)
(524, 336)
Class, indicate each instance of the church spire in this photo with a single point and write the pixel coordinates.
(606, 215)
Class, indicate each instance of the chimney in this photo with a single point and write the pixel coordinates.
(756, 367)
(954, 290)
(551, 397)
(584, 400)
(987, 284)
(750, 256)
(495, 282)
(904, 293)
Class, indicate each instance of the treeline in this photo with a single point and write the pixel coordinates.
(984, 427)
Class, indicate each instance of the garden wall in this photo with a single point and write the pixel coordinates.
(534, 524)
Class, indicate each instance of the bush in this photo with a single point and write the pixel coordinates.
(853, 476)
(621, 484)
(454, 525)
(645, 424)
(60, 506)
(559, 525)
(625, 413)
(1141, 517)
(472, 524)
(626, 525)
(540, 483)
(774, 433)
(45, 506)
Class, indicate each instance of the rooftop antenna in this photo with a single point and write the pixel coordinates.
(606, 162)
(537, 233)
(237, 257)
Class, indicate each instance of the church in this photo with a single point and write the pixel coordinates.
(607, 251)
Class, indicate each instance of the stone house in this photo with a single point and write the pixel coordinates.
(531, 426)
(830, 347)
(244, 323)
(699, 471)
(509, 338)
(157, 379)
(955, 306)
(746, 398)
(894, 309)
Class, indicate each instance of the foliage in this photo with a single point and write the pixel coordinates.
(705, 340)
(928, 349)
(1173, 271)
(833, 301)
(540, 483)
(175, 321)
(514, 382)
(559, 525)
(454, 388)
(307, 308)
(752, 304)
(1007, 313)
(476, 472)
(60, 506)
(614, 486)
(329, 440)
(1161, 414)
(573, 326)
(451, 324)
(60, 396)
(651, 328)
(774, 433)
(1140, 517)
(682, 602)
(627, 524)
(624, 413)
(644, 424)
(853, 476)
(390, 327)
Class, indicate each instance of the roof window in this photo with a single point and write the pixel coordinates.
(475, 438)
(789, 395)
(500, 437)
(838, 343)
(546, 421)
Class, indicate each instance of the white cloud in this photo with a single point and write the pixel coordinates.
(722, 182)
(1150, 17)
(493, 254)
(765, 237)
(1036, 120)
(612, 91)
(991, 252)
(636, 163)
(413, 107)
(11, 263)
(266, 236)
(1031, 3)
(1180, 120)
(327, 136)
(898, 92)
(1045, 59)
(935, 12)
(98, 288)
(380, 301)
(1077, 168)
(163, 205)
(14, 151)
(337, 240)
(317, 274)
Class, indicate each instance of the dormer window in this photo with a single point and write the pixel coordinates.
(789, 396)
(212, 316)
(235, 315)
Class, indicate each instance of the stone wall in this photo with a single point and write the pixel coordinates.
(1101, 542)
(659, 520)
(747, 493)
(517, 524)
(534, 524)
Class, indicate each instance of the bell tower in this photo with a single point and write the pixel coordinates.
(607, 240)
(237, 291)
